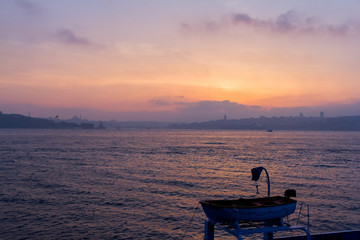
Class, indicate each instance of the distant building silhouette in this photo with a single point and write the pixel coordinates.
(225, 117)
(301, 115)
(321, 114)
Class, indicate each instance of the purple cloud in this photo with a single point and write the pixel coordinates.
(290, 21)
(189, 112)
(159, 102)
(199, 111)
(242, 18)
(67, 36)
(28, 6)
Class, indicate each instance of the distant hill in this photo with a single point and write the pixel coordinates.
(350, 123)
(113, 124)
(346, 123)
(137, 124)
(20, 121)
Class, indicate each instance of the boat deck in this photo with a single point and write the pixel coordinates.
(249, 202)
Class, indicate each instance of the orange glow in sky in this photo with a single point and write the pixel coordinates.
(136, 56)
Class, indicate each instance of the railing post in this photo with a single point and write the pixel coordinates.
(308, 217)
(209, 231)
(268, 235)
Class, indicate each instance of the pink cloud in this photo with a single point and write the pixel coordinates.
(29, 7)
(288, 22)
(67, 36)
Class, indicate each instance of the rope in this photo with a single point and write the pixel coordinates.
(257, 190)
(197, 206)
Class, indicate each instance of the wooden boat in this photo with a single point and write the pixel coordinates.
(248, 209)
(237, 216)
(251, 209)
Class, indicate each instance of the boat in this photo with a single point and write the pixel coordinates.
(251, 215)
(243, 209)
(251, 209)
(265, 215)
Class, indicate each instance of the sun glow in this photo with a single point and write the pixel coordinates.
(272, 59)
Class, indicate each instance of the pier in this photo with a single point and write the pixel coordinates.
(341, 235)
(240, 229)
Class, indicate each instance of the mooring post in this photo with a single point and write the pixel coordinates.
(209, 231)
(268, 236)
(269, 223)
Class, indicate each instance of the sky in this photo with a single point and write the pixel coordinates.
(179, 60)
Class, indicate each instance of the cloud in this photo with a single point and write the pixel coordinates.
(212, 110)
(202, 26)
(242, 18)
(168, 102)
(67, 36)
(159, 102)
(29, 7)
(288, 22)
(188, 112)
(292, 21)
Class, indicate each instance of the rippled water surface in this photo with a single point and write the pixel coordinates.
(146, 184)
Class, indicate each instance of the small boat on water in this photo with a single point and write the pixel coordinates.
(268, 210)
(251, 209)
(265, 215)
(243, 209)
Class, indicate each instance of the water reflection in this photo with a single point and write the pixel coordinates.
(134, 184)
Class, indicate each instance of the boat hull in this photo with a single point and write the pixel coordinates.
(257, 209)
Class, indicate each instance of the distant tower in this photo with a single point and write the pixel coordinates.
(301, 115)
(321, 114)
(225, 117)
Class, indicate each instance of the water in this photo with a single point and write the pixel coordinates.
(146, 184)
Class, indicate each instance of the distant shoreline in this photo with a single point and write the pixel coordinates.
(345, 123)
(22, 122)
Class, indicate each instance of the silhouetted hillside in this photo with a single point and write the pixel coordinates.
(351, 123)
(20, 121)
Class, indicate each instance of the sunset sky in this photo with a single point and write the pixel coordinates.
(152, 59)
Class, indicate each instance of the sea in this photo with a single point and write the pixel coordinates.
(147, 183)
